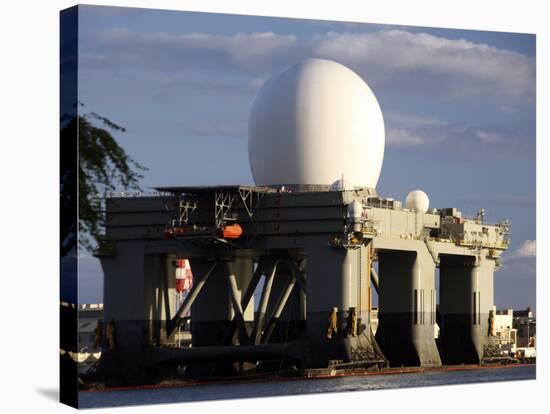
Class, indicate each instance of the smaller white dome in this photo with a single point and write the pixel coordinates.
(417, 200)
(341, 185)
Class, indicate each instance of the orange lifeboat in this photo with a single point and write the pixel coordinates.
(173, 232)
(233, 231)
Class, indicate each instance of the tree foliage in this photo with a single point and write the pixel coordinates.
(102, 166)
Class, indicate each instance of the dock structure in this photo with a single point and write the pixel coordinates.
(310, 254)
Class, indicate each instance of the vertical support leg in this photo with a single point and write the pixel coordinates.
(466, 299)
(125, 310)
(365, 294)
(332, 282)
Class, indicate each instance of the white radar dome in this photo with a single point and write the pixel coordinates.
(417, 200)
(312, 122)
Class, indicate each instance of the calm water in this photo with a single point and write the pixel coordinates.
(267, 389)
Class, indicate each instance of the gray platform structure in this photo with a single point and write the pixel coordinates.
(315, 250)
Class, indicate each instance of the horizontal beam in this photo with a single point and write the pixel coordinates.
(224, 353)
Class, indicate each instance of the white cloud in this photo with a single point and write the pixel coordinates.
(396, 137)
(241, 51)
(524, 254)
(412, 63)
(459, 140)
(520, 265)
(257, 82)
(488, 137)
(399, 59)
(411, 120)
(527, 249)
(466, 68)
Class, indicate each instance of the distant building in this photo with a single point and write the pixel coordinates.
(525, 323)
(515, 333)
(504, 331)
(89, 316)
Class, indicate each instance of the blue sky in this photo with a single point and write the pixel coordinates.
(459, 107)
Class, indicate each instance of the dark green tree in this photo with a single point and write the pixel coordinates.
(102, 166)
